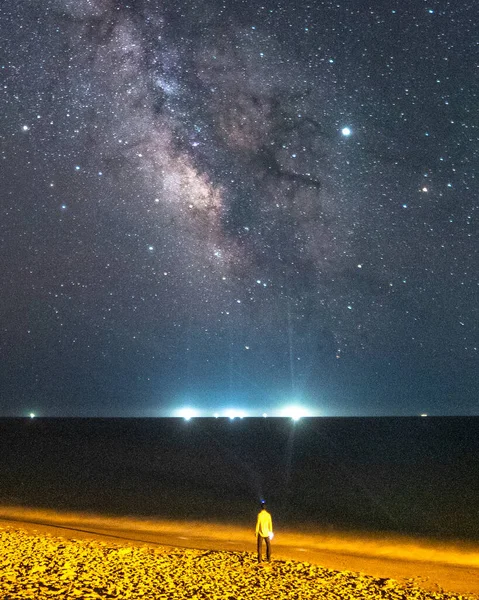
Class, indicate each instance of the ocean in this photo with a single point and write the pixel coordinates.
(408, 475)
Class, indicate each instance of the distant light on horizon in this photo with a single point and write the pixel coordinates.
(235, 413)
(294, 412)
(32, 415)
(187, 413)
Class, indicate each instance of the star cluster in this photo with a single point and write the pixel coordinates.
(238, 202)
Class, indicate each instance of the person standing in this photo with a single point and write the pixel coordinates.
(264, 531)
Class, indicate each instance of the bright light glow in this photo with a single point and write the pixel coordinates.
(32, 415)
(235, 413)
(294, 412)
(187, 413)
(346, 131)
(291, 411)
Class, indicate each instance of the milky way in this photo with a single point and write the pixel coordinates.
(246, 203)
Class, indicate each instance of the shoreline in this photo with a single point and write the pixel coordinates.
(44, 566)
(431, 567)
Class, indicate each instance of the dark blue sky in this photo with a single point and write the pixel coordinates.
(249, 205)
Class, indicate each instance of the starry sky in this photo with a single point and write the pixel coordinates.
(239, 204)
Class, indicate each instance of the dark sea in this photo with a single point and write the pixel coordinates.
(413, 476)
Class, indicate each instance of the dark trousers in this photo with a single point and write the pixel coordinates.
(259, 543)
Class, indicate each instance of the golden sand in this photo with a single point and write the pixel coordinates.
(43, 566)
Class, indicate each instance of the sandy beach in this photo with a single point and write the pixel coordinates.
(43, 566)
(37, 562)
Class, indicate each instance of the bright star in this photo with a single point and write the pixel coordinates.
(346, 131)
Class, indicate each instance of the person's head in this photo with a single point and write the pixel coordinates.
(263, 506)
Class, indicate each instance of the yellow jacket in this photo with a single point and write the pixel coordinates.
(264, 524)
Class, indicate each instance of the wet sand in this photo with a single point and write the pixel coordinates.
(431, 567)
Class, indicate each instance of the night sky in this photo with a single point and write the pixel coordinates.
(239, 205)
